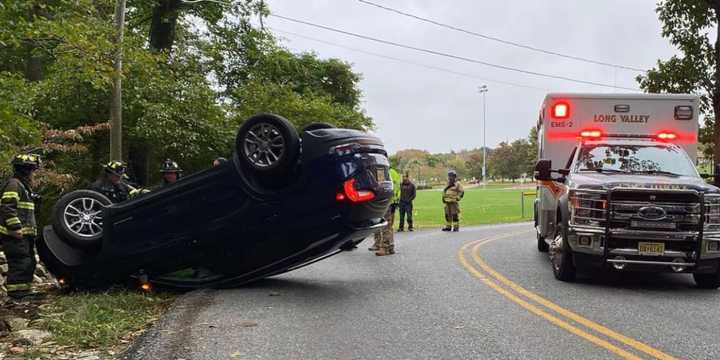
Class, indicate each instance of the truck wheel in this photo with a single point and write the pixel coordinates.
(267, 144)
(708, 281)
(542, 246)
(78, 218)
(561, 256)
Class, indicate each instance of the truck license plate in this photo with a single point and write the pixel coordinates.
(651, 248)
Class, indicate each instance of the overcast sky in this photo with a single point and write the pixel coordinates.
(417, 107)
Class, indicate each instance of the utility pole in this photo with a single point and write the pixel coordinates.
(483, 90)
(116, 93)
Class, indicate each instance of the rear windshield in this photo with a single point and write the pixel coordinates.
(652, 159)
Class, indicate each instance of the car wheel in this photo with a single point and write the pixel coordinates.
(708, 281)
(318, 126)
(561, 256)
(78, 218)
(268, 144)
(541, 244)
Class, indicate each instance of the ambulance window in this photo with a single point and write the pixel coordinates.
(541, 141)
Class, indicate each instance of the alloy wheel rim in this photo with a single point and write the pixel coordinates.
(264, 145)
(83, 216)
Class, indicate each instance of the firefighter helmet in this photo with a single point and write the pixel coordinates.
(26, 161)
(170, 166)
(116, 168)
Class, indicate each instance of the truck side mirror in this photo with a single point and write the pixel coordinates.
(543, 170)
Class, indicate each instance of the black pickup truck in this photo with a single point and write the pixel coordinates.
(285, 200)
(629, 204)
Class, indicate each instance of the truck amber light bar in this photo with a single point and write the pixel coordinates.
(666, 136)
(353, 194)
(594, 134)
(561, 110)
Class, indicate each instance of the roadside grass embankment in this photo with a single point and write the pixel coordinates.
(82, 324)
(492, 204)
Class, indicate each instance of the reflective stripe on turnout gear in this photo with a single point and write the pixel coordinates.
(11, 195)
(18, 287)
(26, 205)
(12, 221)
(24, 231)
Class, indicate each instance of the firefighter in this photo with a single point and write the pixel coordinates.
(18, 228)
(384, 241)
(110, 182)
(452, 194)
(171, 172)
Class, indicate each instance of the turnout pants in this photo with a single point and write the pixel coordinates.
(406, 208)
(384, 239)
(452, 214)
(20, 255)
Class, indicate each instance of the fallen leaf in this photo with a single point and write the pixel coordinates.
(248, 323)
(235, 355)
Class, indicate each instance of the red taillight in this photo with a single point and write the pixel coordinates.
(353, 194)
(665, 136)
(590, 134)
(561, 110)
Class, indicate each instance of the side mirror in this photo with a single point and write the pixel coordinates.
(543, 170)
(564, 172)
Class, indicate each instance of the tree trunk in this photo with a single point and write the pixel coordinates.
(164, 21)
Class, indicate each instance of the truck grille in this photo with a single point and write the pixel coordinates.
(656, 211)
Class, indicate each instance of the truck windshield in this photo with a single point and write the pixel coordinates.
(650, 159)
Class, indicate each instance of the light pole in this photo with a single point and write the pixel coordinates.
(483, 90)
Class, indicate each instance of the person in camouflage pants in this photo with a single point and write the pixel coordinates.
(384, 240)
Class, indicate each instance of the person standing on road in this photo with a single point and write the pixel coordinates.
(384, 241)
(452, 194)
(18, 227)
(171, 172)
(407, 196)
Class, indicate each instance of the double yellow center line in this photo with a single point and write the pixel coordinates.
(548, 310)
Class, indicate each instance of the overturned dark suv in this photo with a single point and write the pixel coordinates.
(285, 200)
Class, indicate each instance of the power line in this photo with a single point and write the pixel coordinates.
(462, 74)
(456, 57)
(506, 42)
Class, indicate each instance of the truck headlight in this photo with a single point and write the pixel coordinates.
(587, 208)
(712, 213)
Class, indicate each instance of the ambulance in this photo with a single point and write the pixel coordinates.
(618, 187)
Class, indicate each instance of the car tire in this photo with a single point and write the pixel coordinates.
(542, 246)
(267, 144)
(561, 255)
(708, 281)
(77, 218)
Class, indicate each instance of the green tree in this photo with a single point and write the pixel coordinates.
(691, 26)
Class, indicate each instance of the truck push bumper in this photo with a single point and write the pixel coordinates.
(615, 242)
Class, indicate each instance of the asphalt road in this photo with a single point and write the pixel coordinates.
(483, 293)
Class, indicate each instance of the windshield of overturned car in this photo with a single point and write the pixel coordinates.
(645, 159)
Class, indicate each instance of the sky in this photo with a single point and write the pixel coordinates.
(417, 105)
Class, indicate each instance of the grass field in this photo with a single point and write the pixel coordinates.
(497, 203)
